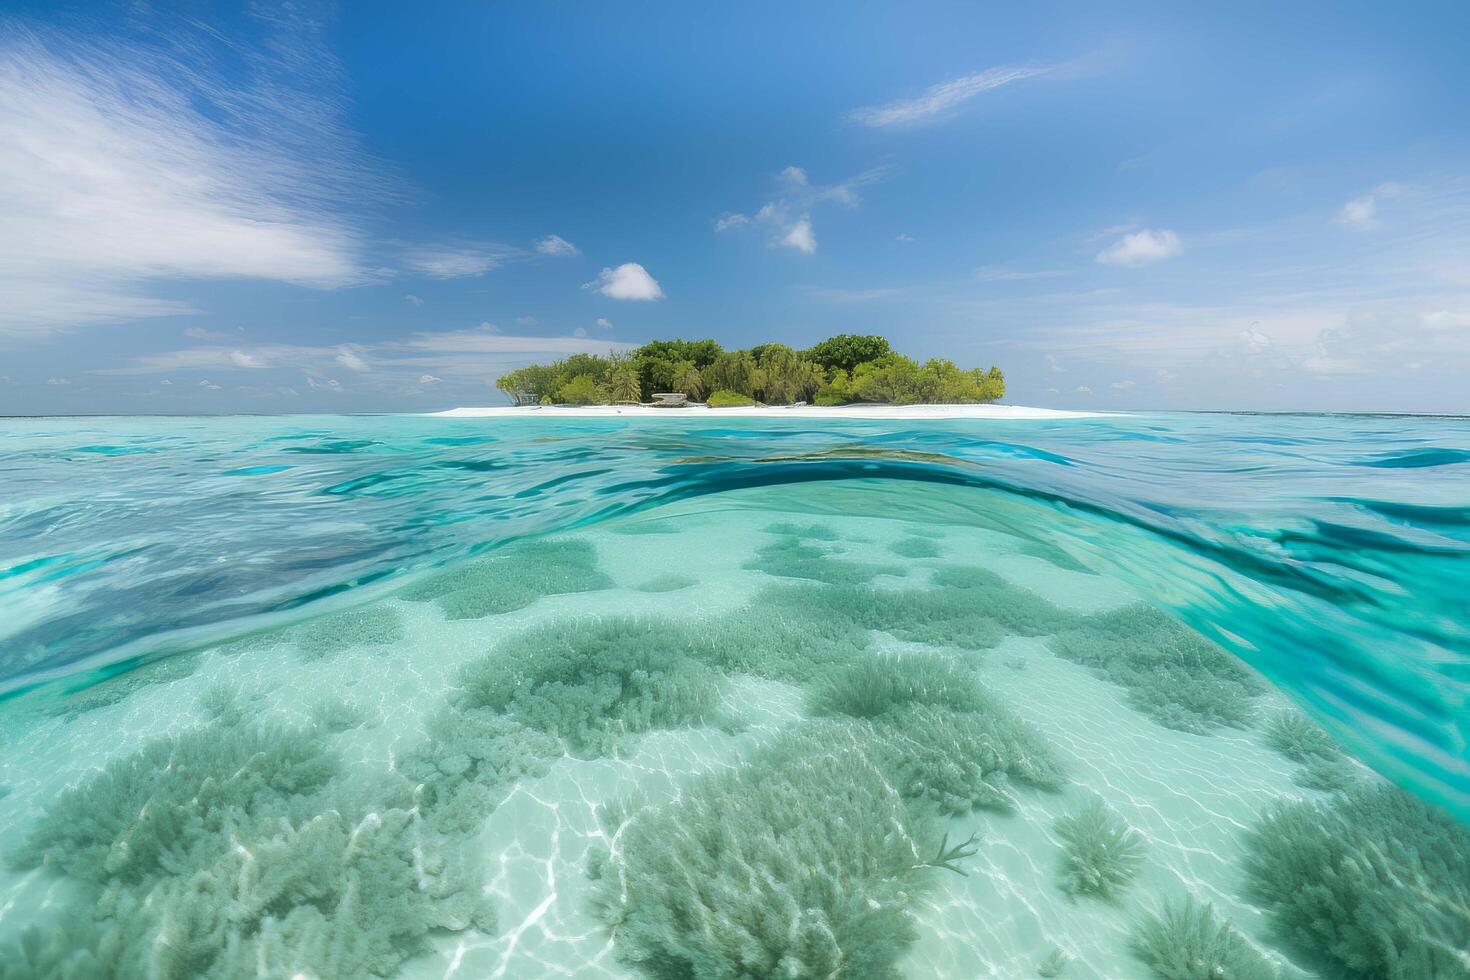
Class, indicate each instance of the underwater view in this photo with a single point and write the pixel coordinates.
(1151, 696)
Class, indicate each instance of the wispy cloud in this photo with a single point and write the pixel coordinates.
(938, 100)
(458, 261)
(997, 273)
(1361, 213)
(557, 246)
(122, 166)
(788, 216)
(628, 281)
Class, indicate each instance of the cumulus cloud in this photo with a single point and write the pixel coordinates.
(902, 237)
(1254, 341)
(210, 385)
(1082, 390)
(122, 166)
(604, 323)
(628, 281)
(415, 300)
(557, 245)
(351, 360)
(800, 237)
(1142, 248)
(1123, 385)
(936, 101)
(731, 219)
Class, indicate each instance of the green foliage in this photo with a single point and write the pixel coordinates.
(899, 380)
(802, 864)
(1189, 942)
(846, 351)
(1373, 883)
(786, 376)
(512, 578)
(734, 372)
(1171, 673)
(593, 683)
(1100, 852)
(623, 381)
(369, 626)
(1327, 775)
(914, 548)
(582, 389)
(725, 398)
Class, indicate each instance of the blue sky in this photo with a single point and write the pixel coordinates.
(382, 206)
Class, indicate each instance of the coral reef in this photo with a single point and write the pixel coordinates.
(814, 532)
(1100, 852)
(512, 578)
(803, 864)
(1324, 766)
(1372, 883)
(1171, 673)
(914, 548)
(877, 684)
(788, 633)
(592, 682)
(1188, 942)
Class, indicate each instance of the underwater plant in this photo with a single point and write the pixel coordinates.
(512, 578)
(936, 733)
(1053, 964)
(671, 582)
(1299, 738)
(791, 557)
(788, 632)
(233, 850)
(914, 548)
(1372, 883)
(814, 532)
(1100, 852)
(592, 682)
(803, 863)
(371, 626)
(1187, 941)
(1171, 674)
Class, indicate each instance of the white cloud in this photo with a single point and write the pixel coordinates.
(901, 237)
(936, 100)
(557, 245)
(457, 261)
(996, 273)
(1054, 365)
(787, 219)
(800, 237)
(350, 359)
(487, 325)
(1254, 340)
(200, 333)
(1083, 390)
(415, 300)
(580, 332)
(206, 383)
(58, 381)
(525, 321)
(1142, 248)
(1123, 385)
(429, 379)
(243, 359)
(327, 384)
(121, 166)
(628, 281)
(1361, 213)
(604, 323)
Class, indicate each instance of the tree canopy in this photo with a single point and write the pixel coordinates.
(841, 370)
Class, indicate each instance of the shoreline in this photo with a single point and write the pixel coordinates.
(895, 412)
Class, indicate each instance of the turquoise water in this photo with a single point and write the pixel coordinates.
(735, 697)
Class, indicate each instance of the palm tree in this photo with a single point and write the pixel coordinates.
(622, 380)
(688, 380)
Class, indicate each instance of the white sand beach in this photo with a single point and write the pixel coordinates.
(998, 412)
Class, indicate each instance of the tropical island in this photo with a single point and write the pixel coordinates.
(848, 369)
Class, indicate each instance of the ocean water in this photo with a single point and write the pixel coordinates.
(1177, 696)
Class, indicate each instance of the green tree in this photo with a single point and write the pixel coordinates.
(734, 371)
(623, 384)
(581, 390)
(846, 351)
(786, 375)
(687, 379)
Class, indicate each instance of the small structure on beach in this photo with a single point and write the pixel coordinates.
(670, 399)
(522, 398)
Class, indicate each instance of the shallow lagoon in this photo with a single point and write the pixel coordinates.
(857, 727)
